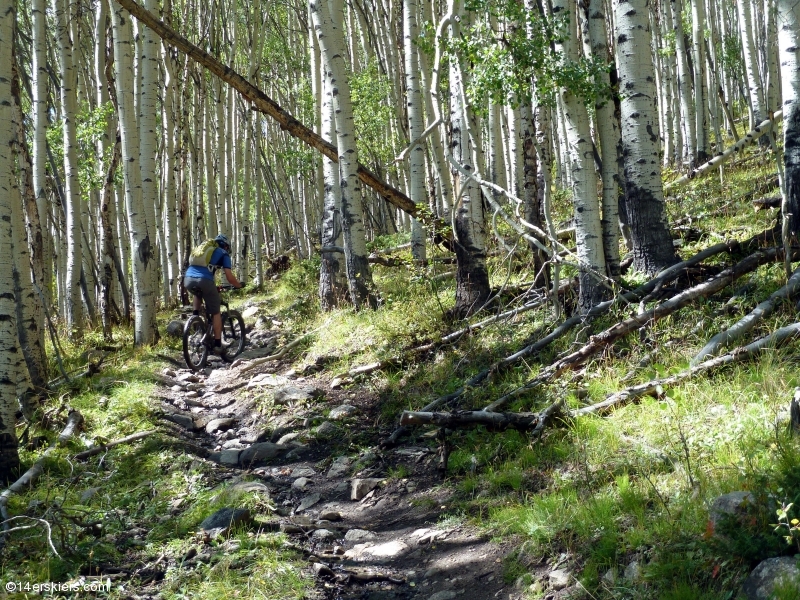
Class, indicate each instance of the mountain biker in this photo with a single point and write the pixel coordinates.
(199, 280)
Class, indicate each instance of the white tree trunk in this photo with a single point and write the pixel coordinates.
(10, 356)
(359, 277)
(789, 55)
(689, 156)
(69, 112)
(416, 158)
(39, 72)
(141, 232)
(644, 212)
(754, 84)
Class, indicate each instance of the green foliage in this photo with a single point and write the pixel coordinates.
(373, 111)
(502, 66)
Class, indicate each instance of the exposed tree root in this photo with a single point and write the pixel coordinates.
(105, 447)
(749, 321)
(74, 421)
(602, 340)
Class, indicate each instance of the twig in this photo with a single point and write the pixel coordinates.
(104, 447)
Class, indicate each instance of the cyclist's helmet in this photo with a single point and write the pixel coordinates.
(222, 241)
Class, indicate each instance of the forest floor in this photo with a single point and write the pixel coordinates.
(610, 507)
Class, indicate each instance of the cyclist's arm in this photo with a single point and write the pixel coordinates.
(232, 278)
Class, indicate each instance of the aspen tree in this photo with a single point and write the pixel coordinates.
(644, 212)
(415, 125)
(688, 156)
(754, 83)
(72, 201)
(10, 356)
(789, 54)
(141, 232)
(469, 223)
(359, 277)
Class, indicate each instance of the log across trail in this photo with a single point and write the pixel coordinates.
(268, 106)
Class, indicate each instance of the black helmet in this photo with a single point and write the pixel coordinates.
(222, 240)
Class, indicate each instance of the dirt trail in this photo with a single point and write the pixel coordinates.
(370, 521)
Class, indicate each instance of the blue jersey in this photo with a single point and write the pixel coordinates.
(219, 258)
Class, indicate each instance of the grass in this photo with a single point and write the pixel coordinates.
(635, 485)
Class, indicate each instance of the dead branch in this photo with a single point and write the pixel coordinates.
(653, 387)
(749, 321)
(666, 275)
(74, 421)
(767, 202)
(602, 340)
(470, 418)
(105, 447)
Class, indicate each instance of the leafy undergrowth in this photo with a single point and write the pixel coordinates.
(596, 494)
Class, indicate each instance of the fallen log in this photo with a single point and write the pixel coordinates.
(749, 321)
(74, 421)
(105, 447)
(652, 387)
(767, 202)
(626, 297)
(602, 340)
(751, 137)
(470, 418)
(264, 104)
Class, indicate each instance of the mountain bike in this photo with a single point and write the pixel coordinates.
(198, 336)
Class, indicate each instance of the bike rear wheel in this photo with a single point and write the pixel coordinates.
(232, 334)
(195, 350)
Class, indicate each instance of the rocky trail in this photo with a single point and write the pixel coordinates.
(369, 521)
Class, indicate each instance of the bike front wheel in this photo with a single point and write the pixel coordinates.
(232, 334)
(195, 350)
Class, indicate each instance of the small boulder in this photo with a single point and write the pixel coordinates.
(300, 483)
(175, 329)
(768, 575)
(361, 487)
(633, 572)
(444, 595)
(267, 380)
(734, 504)
(339, 468)
(229, 457)
(261, 452)
(308, 502)
(291, 393)
(330, 515)
(88, 494)
(359, 535)
(221, 521)
(326, 429)
(323, 535)
(303, 472)
(250, 312)
(342, 412)
(559, 579)
(220, 425)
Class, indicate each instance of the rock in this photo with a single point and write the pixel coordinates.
(220, 425)
(342, 412)
(338, 382)
(250, 311)
(188, 377)
(250, 486)
(291, 393)
(303, 472)
(221, 521)
(380, 553)
(88, 494)
(169, 373)
(184, 421)
(761, 583)
(176, 388)
(324, 535)
(733, 503)
(342, 487)
(308, 502)
(633, 572)
(175, 329)
(229, 457)
(296, 453)
(192, 394)
(330, 515)
(361, 487)
(267, 380)
(321, 570)
(289, 437)
(443, 595)
(300, 483)
(432, 572)
(326, 429)
(610, 577)
(559, 579)
(359, 535)
(340, 467)
(536, 587)
(261, 452)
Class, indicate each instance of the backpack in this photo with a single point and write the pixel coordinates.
(201, 255)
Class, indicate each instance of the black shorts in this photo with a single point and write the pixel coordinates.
(207, 290)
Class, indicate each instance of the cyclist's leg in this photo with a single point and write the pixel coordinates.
(213, 304)
(192, 284)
